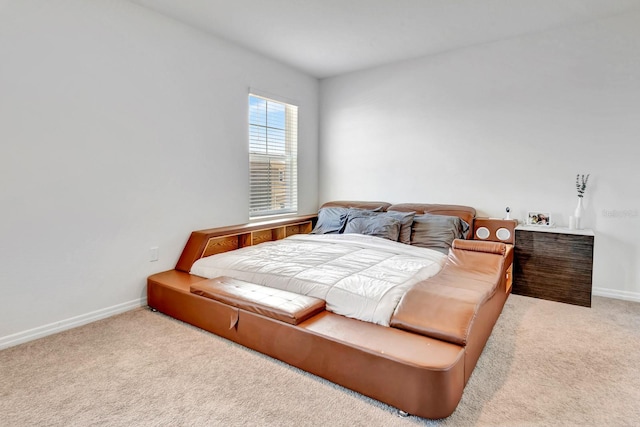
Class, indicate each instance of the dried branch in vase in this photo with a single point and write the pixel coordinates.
(581, 184)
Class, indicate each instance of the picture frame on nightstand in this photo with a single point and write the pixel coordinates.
(542, 219)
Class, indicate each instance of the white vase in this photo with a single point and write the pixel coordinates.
(578, 214)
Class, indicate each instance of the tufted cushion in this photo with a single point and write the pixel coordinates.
(285, 306)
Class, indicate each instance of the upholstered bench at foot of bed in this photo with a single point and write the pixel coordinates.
(281, 305)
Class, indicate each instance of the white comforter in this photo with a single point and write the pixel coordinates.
(358, 276)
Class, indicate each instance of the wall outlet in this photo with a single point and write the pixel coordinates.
(153, 254)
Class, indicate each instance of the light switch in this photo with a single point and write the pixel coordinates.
(153, 254)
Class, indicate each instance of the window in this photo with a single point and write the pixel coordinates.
(273, 157)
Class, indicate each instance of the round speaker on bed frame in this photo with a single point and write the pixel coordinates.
(503, 234)
(482, 233)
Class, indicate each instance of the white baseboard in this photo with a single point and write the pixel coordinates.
(63, 325)
(614, 293)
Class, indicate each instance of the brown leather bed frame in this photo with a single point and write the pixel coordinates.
(420, 364)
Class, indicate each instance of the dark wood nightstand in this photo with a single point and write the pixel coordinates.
(554, 264)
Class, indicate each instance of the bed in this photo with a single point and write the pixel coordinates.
(392, 301)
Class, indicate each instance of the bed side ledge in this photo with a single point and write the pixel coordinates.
(445, 305)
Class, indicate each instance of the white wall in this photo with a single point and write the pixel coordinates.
(502, 124)
(120, 130)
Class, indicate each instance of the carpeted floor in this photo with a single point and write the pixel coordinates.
(546, 363)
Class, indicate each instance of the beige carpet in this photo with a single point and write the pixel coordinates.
(546, 363)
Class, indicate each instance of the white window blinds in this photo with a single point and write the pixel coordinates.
(273, 157)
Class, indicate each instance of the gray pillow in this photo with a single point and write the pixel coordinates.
(374, 225)
(331, 220)
(437, 231)
(406, 220)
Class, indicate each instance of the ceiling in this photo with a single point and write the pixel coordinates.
(325, 38)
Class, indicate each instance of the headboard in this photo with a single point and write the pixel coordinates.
(382, 206)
